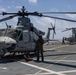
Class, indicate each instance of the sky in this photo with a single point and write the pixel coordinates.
(42, 23)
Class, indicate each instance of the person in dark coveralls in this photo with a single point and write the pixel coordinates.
(39, 48)
(63, 42)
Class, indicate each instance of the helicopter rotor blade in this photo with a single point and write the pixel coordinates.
(54, 32)
(54, 26)
(19, 13)
(59, 18)
(6, 24)
(24, 13)
(66, 30)
(58, 12)
(7, 18)
(35, 14)
(6, 28)
(5, 13)
(71, 28)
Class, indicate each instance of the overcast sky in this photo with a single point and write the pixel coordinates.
(42, 6)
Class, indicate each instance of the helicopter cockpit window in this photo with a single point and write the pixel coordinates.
(18, 35)
(9, 32)
(2, 32)
(23, 21)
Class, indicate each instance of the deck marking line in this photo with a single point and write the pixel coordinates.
(61, 60)
(40, 74)
(58, 60)
(3, 68)
(51, 65)
(50, 71)
(68, 71)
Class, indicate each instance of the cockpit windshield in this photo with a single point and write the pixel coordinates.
(15, 33)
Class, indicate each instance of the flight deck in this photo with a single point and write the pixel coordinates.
(58, 60)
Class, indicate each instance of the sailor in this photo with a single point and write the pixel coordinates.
(39, 48)
(63, 42)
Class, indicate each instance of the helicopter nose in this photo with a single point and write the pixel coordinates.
(9, 42)
(6, 42)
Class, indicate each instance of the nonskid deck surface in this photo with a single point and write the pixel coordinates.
(58, 60)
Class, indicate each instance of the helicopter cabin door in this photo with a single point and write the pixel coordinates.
(21, 40)
(28, 39)
(25, 40)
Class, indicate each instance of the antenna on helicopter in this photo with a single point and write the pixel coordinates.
(23, 9)
(6, 28)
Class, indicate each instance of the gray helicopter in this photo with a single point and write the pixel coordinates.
(20, 38)
(72, 38)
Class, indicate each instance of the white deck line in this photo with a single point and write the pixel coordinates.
(61, 60)
(68, 71)
(3, 67)
(52, 65)
(47, 70)
(40, 74)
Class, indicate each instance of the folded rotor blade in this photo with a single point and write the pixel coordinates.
(54, 30)
(59, 18)
(66, 30)
(52, 25)
(7, 18)
(71, 28)
(53, 35)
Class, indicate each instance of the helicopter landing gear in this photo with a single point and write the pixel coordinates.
(27, 57)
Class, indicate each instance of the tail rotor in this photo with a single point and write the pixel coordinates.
(53, 28)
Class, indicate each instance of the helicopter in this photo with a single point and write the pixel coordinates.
(22, 36)
(17, 44)
(72, 38)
